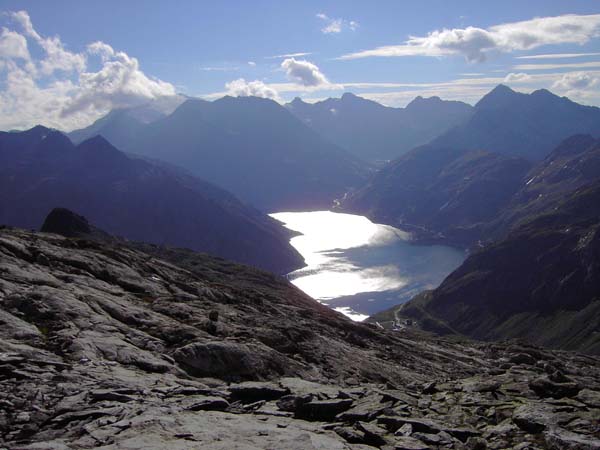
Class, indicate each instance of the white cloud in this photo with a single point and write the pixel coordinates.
(579, 86)
(219, 68)
(256, 88)
(517, 77)
(289, 55)
(557, 55)
(252, 63)
(13, 45)
(465, 89)
(476, 43)
(57, 57)
(118, 84)
(304, 72)
(58, 89)
(334, 26)
(576, 80)
(583, 65)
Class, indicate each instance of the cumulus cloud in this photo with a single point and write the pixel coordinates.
(576, 80)
(579, 86)
(304, 72)
(57, 57)
(336, 25)
(476, 43)
(58, 89)
(517, 77)
(118, 84)
(13, 45)
(256, 88)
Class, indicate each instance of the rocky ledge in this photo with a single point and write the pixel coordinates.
(118, 345)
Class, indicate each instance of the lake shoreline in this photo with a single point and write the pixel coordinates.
(359, 267)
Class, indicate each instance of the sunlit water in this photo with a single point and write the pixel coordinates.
(359, 267)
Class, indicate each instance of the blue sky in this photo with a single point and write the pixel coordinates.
(213, 48)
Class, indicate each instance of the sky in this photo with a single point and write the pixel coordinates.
(66, 63)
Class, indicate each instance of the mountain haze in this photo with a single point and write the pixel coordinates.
(121, 126)
(42, 169)
(525, 125)
(441, 194)
(374, 132)
(452, 187)
(254, 148)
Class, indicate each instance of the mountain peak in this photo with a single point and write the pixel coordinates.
(38, 129)
(498, 97)
(97, 150)
(96, 141)
(544, 93)
(424, 101)
(502, 89)
(297, 101)
(349, 96)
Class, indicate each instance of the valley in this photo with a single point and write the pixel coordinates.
(360, 268)
(299, 225)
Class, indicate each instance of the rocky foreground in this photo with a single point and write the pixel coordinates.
(106, 344)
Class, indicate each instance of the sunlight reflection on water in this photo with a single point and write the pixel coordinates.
(347, 255)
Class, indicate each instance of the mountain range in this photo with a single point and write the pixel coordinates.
(450, 188)
(374, 132)
(148, 201)
(517, 124)
(535, 276)
(252, 147)
(116, 333)
(487, 185)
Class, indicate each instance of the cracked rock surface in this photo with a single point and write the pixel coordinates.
(118, 345)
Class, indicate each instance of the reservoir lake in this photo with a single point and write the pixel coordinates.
(358, 267)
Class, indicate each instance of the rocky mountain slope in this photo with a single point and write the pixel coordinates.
(575, 163)
(41, 169)
(452, 187)
(533, 269)
(254, 148)
(540, 283)
(441, 194)
(525, 125)
(374, 132)
(104, 344)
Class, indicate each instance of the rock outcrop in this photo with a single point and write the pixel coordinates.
(114, 345)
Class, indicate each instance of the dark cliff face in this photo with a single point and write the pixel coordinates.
(133, 198)
(255, 149)
(374, 132)
(540, 283)
(575, 163)
(441, 193)
(536, 276)
(120, 344)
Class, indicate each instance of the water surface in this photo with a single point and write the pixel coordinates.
(359, 267)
